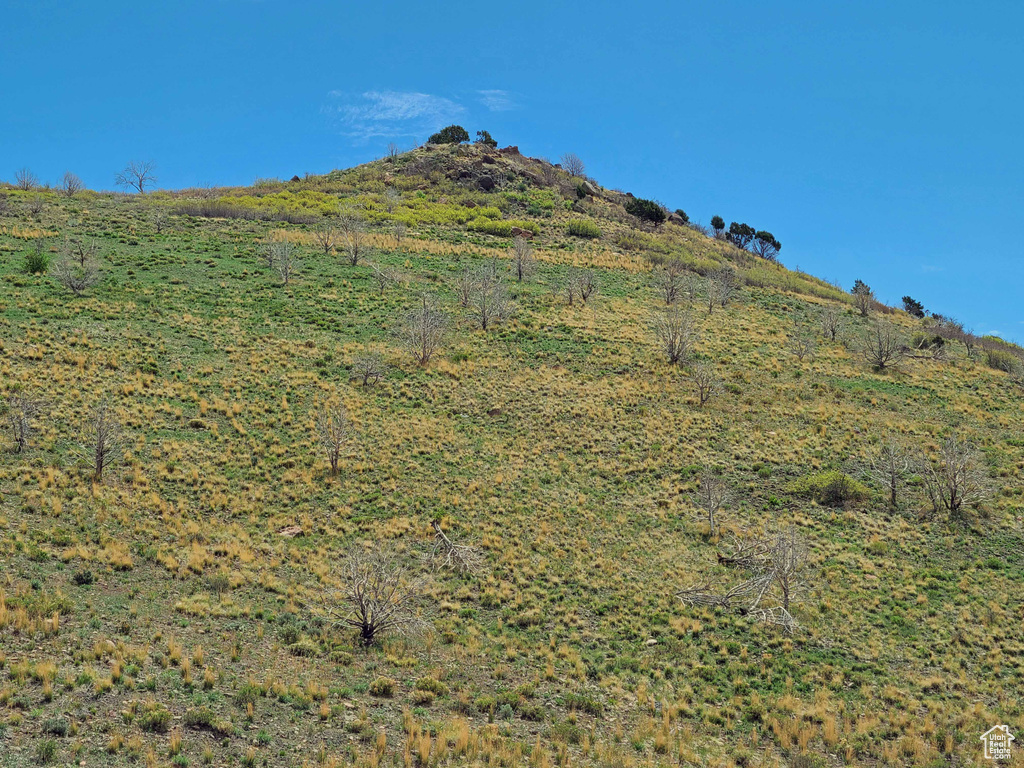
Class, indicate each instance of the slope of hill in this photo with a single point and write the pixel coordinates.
(178, 610)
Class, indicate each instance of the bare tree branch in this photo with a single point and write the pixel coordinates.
(711, 495)
(369, 368)
(376, 598)
(334, 431)
(137, 175)
(523, 262)
(675, 333)
(19, 415)
(104, 440)
(424, 330)
(776, 563)
(572, 164)
(956, 478)
(446, 554)
(883, 348)
(325, 236)
(706, 381)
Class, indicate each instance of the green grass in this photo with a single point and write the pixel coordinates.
(559, 443)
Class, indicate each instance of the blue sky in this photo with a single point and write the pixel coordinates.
(876, 140)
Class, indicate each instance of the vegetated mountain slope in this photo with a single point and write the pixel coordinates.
(160, 615)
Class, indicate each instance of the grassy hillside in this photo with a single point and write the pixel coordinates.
(161, 616)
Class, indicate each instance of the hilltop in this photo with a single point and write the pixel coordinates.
(180, 607)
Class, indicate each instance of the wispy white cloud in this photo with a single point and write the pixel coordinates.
(497, 100)
(390, 113)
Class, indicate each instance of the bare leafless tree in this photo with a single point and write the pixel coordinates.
(719, 287)
(393, 151)
(80, 250)
(883, 347)
(325, 236)
(377, 597)
(369, 368)
(285, 261)
(447, 554)
(566, 288)
(727, 283)
(353, 231)
(70, 184)
(523, 262)
(956, 477)
(970, 342)
(670, 280)
(104, 440)
(279, 255)
(424, 329)
(74, 276)
(20, 412)
(465, 285)
(36, 205)
(572, 164)
(776, 565)
(863, 299)
(831, 323)
(138, 175)
(392, 199)
(802, 344)
(888, 468)
(384, 277)
(489, 303)
(398, 230)
(159, 220)
(334, 431)
(711, 495)
(585, 282)
(5, 203)
(25, 180)
(675, 333)
(706, 382)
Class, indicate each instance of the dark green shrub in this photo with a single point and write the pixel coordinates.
(56, 726)
(740, 235)
(83, 578)
(765, 245)
(646, 210)
(453, 134)
(583, 228)
(913, 307)
(36, 262)
(922, 340)
(832, 488)
(484, 138)
(533, 712)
